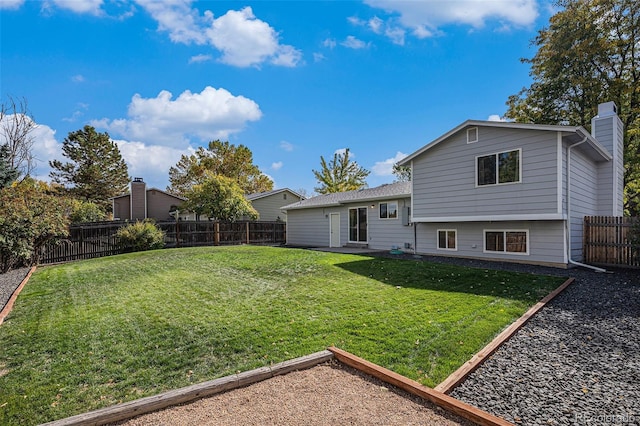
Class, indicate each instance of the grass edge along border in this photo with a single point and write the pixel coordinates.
(9, 306)
(479, 358)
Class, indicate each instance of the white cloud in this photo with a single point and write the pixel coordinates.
(425, 17)
(385, 168)
(78, 78)
(286, 146)
(396, 34)
(277, 165)
(93, 7)
(150, 162)
(376, 24)
(495, 117)
(200, 58)
(318, 57)
(178, 19)
(11, 4)
(211, 114)
(353, 43)
(329, 42)
(246, 41)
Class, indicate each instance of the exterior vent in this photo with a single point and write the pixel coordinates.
(472, 135)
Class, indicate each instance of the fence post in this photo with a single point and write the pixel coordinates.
(216, 235)
(177, 233)
(248, 241)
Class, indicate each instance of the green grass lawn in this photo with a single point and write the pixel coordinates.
(96, 333)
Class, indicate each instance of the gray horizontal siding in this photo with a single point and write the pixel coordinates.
(387, 233)
(444, 178)
(546, 240)
(308, 228)
(584, 194)
(270, 207)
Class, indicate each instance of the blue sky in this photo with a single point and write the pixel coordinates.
(292, 80)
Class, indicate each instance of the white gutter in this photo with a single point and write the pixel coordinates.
(568, 222)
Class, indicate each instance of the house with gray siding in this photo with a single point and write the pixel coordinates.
(516, 192)
(269, 204)
(377, 218)
(489, 190)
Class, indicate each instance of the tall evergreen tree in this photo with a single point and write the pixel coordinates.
(220, 158)
(8, 174)
(96, 171)
(589, 54)
(340, 174)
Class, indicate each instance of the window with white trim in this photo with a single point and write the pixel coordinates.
(506, 241)
(502, 167)
(389, 210)
(447, 239)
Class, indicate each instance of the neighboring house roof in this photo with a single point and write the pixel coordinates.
(259, 195)
(592, 146)
(383, 192)
(177, 197)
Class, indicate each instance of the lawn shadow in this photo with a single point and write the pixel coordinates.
(480, 280)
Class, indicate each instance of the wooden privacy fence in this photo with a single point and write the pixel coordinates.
(90, 240)
(608, 241)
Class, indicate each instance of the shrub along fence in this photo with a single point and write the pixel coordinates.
(91, 240)
(612, 241)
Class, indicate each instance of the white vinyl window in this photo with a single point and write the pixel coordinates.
(447, 239)
(389, 210)
(516, 241)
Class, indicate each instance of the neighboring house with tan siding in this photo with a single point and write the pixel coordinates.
(145, 203)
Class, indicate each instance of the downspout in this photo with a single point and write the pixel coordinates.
(568, 221)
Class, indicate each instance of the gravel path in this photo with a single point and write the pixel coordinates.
(9, 282)
(323, 395)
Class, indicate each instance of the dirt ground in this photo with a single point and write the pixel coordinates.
(328, 394)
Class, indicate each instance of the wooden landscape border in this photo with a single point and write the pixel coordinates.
(149, 404)
(470, 366)
(440, 399)
(7, 308)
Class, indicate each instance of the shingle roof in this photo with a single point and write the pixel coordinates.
(382, 192)
(257, 195)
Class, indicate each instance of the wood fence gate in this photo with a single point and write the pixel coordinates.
(609, 241)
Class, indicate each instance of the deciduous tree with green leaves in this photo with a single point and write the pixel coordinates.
(219, 197)
(96, 171)
(220, 158)
(31, 216)
(340, 174)
(589, 54)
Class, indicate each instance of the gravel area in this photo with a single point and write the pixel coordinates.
(323, 395)
(576, 362)
(9, 282)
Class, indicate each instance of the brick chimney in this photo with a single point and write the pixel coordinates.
(608, 130)
(138, 199)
